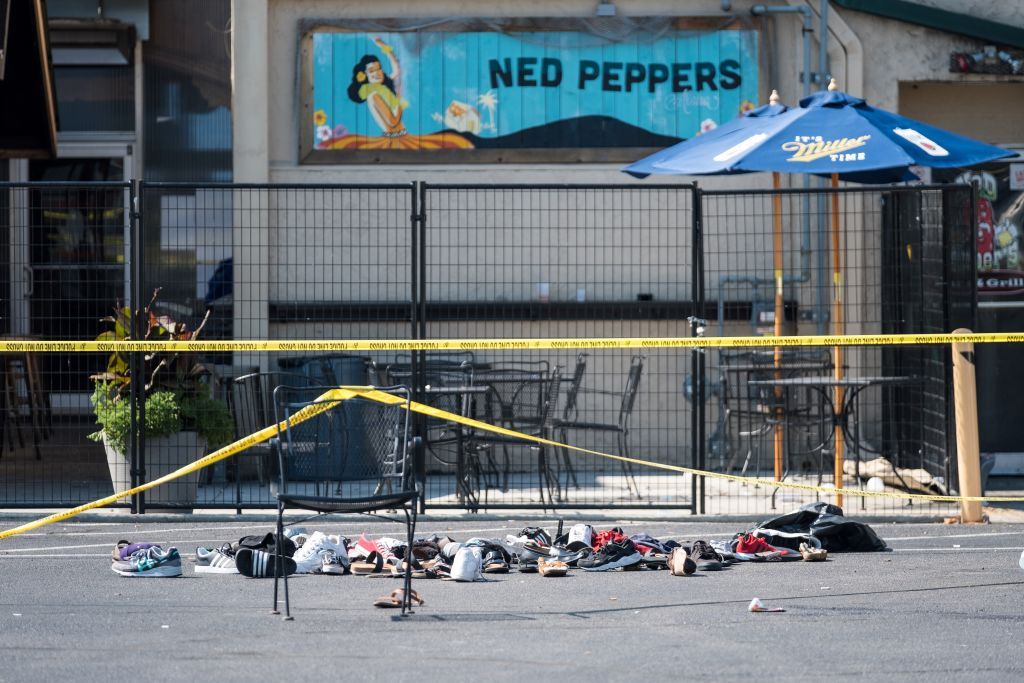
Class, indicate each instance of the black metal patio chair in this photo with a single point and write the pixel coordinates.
(350, 456)
(620, 427)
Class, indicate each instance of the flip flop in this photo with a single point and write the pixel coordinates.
(396, 597)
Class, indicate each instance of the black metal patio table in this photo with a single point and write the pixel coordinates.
(842, 416)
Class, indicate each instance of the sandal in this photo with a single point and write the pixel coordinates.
(812, 554)
(654, 560)
(418, 572)
(552, 567)
(373, 564)
(494, 563)
(396, 599)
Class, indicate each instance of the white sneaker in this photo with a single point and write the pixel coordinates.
(332, 562)
(307, 558)
(582, 535)
(468, 565)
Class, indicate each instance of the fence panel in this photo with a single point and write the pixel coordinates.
(280, 262)
(64, 249)
(569, 262)
(849, 261)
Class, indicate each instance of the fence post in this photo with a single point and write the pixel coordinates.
(137, 362)
(418, 221)
(697, 325)
(965, 399)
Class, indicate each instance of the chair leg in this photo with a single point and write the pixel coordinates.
(627, 469)
(542, 479)
(410, 524)
(279, 568)
(506, 469)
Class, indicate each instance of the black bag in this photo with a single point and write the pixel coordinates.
(267, 543)
(826, 523)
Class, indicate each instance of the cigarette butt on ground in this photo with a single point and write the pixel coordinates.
(757, 606)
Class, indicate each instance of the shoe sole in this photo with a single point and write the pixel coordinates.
(258, 564)
(708, 565)
(627, 561)
(209, 569)
(155, 573)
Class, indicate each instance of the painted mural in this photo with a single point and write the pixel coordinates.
(445, 90)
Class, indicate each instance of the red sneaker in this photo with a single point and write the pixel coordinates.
(750, 544)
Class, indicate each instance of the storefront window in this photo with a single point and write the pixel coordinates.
(95, 98)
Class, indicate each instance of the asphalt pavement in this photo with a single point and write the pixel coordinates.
(945, 603)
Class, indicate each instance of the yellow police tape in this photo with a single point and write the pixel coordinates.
(338, 345)
(330, 398)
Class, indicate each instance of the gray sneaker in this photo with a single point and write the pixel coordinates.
(216, 561)
(150, 562)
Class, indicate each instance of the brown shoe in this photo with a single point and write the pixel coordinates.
(552, 567)
(680, 563)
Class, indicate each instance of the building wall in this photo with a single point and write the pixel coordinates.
(869, 56)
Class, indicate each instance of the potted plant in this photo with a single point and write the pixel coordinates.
(182, 418)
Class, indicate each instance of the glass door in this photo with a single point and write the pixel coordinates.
(76, 238)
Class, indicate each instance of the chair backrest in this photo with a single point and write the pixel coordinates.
(573, 391)
(551, 393)
(517, 392)
(358, 444)
(629, 392)
(250, 398)
(333, 369)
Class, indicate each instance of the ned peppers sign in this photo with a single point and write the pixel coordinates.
(554, 89)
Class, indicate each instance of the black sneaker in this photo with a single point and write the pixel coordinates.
(611, 556)
(260, 564)
(535, 534)
(706, 558)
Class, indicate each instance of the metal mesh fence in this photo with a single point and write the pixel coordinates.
(832, 262)
(260, 262)
(65, 268)
(571, 262)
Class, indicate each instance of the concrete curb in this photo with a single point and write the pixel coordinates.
(590, 516)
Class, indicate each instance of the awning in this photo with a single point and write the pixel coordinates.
(28, 119)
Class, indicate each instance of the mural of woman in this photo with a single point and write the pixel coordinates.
(381, 93)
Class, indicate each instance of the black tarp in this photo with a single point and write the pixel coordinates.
(827, 523)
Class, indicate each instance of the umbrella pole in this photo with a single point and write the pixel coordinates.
(837, 317)
(779, 313)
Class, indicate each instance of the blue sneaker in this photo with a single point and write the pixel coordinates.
(150, 562)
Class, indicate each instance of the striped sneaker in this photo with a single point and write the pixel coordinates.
(332, 563)
(259, 564)
(150, 562)
(216, 561)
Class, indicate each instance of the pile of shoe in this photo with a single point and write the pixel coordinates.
(532, 550)
(146, 560)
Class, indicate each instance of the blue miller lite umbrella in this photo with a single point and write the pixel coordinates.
(830, 134)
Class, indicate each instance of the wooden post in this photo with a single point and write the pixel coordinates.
(965, 398)
(780, 312)
(837, 329)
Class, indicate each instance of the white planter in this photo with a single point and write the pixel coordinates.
(164, 454)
